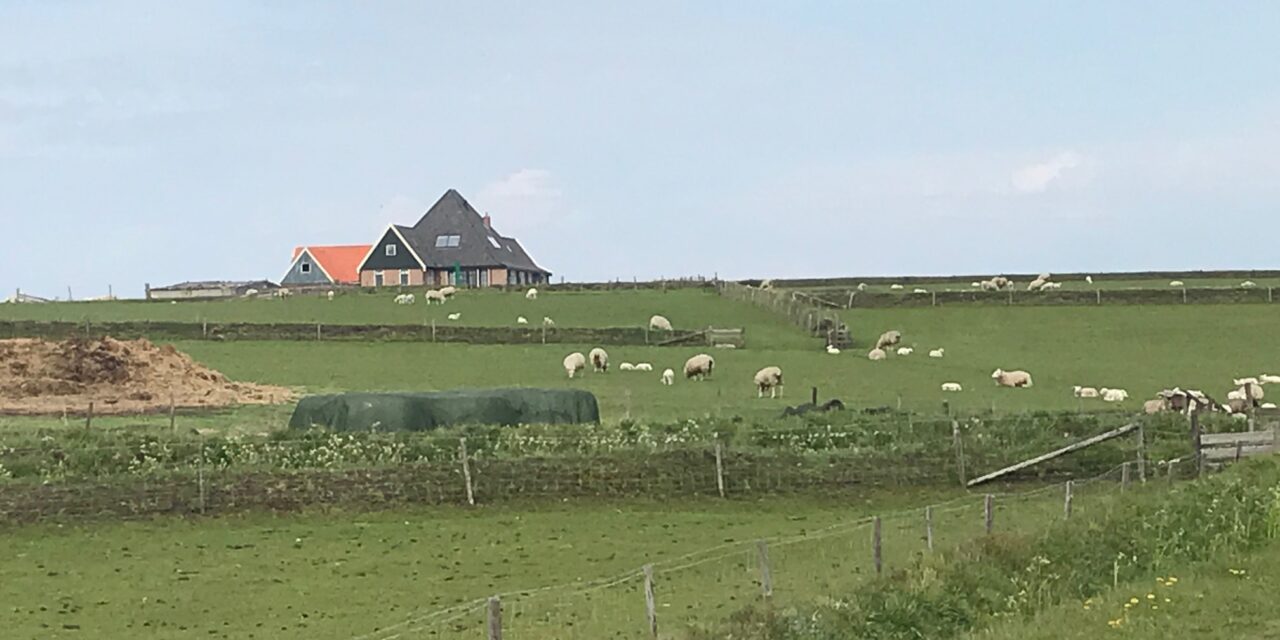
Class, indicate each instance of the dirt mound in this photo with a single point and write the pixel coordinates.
(118, 376)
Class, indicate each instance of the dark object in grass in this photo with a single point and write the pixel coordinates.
(833, 404)
(875, 411)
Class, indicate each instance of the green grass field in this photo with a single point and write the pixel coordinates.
(1077, 284)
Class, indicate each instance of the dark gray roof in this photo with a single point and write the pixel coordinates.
(453, 215)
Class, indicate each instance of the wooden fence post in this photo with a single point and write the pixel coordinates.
(1124, 476)
(204, 329)
(200, 475)
(719, 467)
(433, 329)
(466, 470)
(766, 578)
(959, 447)
(650, 606)
(495, 618)
(88, 418)
(1142, 454)
(1066, 503)
(173, 413)
(989, 511)
(1195, 442)
(875, 546)
(317, 332)
(1169, 473)
(928, 528)
(1099, 292)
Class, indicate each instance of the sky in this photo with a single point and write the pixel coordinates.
(157, 142)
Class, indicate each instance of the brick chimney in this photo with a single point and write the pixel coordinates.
(488, 221)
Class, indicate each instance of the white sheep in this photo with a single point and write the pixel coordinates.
(454, 316)
(548, 322)
(1175, 283)
(1235, 394)
(937, 353)
(905, 351)
(599, 360)
(1268, 379)
(434, 295)
(876, 355)
(975, 284)
(1012, 378)
(626, 366)
(522, 320)
(919, 291)
(1248, 284)
(769, 379)
(862, 286)
(1002, 282)
(668, 377)
(989, 285)
(831, 349)
(573, 363)
(1240, 382)
(329, 295)
(895, 287)
(659, 323)
(1155, 405)
(1036, 284)
(283, 293)
(699, 366)
(888, 339)
(644, 366)
(249, 293)
(1051, 285)
(448, 291)
(405, 298)
(531, 294)
(1113, 395)
(1085, 392)
(1088, 279)
(1267, 405)
(1250, 391)
(952, 386)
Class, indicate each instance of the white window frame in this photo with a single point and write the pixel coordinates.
(389, 251)
(304, 267)
(379, 278)
(448, 240)
(404, 277)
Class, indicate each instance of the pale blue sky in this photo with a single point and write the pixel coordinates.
(166, 141)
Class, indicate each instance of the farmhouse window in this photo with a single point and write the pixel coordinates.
(484, 277)
(391, 250)
(447, 241)
(377, 278)
(306, 267)
(404, 277)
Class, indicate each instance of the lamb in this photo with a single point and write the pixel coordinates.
(862, 286)
(769, 379)
(573, 363)
(905, 351)
(1175, 283)
(1113, 395)
(433, 295)
(448, 291)
(699, 366)
(1088, 279)
(644, 366)
(951, 386)
(1036, 284)
(531, 294)
(1248, 284)
(522, 320)
(1051, 285)
(876, 355)
(329, 295)
(249, 293)
(599, 360)
(989, 285)
(1240, 382)
(975, 284)
(1154, 406)
(659, 323)
(919, 291)
(548, 322)
(454, 316)
(895, 287)
(1085, 392)
(888, 339)
(1248, 391)
(1267, 405)
(831, 349)
(1268, 379)
(937, 353)
(404, 298)
(1012, 378)
(668, 377)
(626, 366)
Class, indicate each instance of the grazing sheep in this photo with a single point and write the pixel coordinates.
(919, 291)
(626, 366)
(1002, 282)
(905, 351)
(769, 379)
(659, 323)
(1085, 392)
(1051, 285)
(937, 353)
(862, 286)
(668, 377)
(876, 355)
(283, 293)
(599, 360)
(1175, 283)
(522, 320)
(1154, 406)
(531, 294)
(548, 322)
(1113, 395)
(1240, 382)
(454, 316)
(329, 295)
(831, 349)
(573, 363)
(975, 284)
(1248, 284)
(405, 298)
(1012, 378)
(767, 283)
(1088, 279)
(895, 287)
(436, 296)
(448, 291)
(1249, 391)
(1036, 284)
(951, 386)
(699, 366)
(1267, 405)
(888, 339)
(1268, 379)
(249, 293)
(989, 285)
(644, 366)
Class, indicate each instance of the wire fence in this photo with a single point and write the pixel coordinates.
(707, 586)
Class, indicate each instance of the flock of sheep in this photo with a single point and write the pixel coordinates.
(1042, 282)
(1247, 394)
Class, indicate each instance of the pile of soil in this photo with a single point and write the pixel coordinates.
(118, 376)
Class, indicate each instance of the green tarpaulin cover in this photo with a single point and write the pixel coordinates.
(426, 411)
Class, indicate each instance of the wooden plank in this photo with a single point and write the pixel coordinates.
(1087, 442)
(720, 468)
(1230, 439)
(928, 528)
(1229, 453)
(495, 618)
(650, 605)
(466, 470)
(989, 512)
(766, 577)
(876, 554)
(1066, 503)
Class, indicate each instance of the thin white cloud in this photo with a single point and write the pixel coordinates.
(1035, 178)
(524, 200)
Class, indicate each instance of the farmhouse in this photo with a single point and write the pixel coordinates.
(451, 244)
(338, 264)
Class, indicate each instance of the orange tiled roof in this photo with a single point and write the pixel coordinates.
(339, 261)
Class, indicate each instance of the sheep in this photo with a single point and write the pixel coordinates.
(548, 322)
(905, 351)
(404, 298)
(573, 363)
(1001, 282)
(644, 366)
(876, 355)
(975, 284)
(937, 353)
(952, 386)
(659, 323)
(448, 291)
(283, 293)
(989, 285)
(1154, 406)
(919, 291)
(329, 295)
(1240, 382)
(1113, 395)
(1051, 285)
(888, 339)
(831, 349)
(895, 287)
(433, 295)
(1249, 391)
(699, 366)
(1036, 284)
(1088, 279)
(522, 320)
(454, 316)
(1175, 283)
(1248, 284)
(668, 377)
(1235, 394)
(769, 379)
(1268, 379)
(1012, 378)
(249, 293)
(767, 283)
(531, 294)
(1044, 276)
(1267, 405)
(862, 286)
(1084, 392)
(626, 366)
(1236, 406)
(599, 360)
